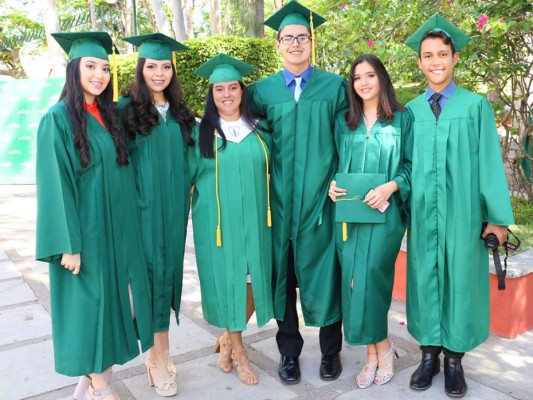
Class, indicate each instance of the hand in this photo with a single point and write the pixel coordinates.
(334, 191)
(71, 262)
(376, 197)
(499, 231)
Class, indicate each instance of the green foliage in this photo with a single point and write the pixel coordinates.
(256, 52)
(406, 93)
(522, 210)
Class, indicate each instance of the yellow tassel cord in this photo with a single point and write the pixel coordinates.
(344, 231)
(115, 75)
(219, 233)
(313, 45)
(269, 213)
(175, 61)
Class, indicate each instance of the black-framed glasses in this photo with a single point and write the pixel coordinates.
(288, 40)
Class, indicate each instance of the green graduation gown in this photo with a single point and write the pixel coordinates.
(163, 184)
(91, 211)
(246, 238)
(303, 164)
(458, 182)
(369, 254)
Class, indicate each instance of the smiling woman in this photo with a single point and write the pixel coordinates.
(86, 229)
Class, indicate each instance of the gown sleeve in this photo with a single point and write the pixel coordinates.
(403, 179)
(495, 200)
(58, 226)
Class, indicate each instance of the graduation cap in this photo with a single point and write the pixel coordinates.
(224, 68)
(293, 13)
(85, 44)
(155, 46)
(90, 44)
(438, 23)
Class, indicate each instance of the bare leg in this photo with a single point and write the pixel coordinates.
(159, 357)
(239, 355)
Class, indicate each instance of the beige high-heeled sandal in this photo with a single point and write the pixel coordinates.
(223, 346)
(244, 368)
(163, 387)
(85, 388)
(383, 375)
(170, 365)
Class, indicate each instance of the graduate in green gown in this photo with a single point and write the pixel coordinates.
(300, 104)
(88, 224)
(231, 211)
(158, 125)
(458, 182)
(373, 141)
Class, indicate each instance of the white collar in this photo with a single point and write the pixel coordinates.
(235, 131)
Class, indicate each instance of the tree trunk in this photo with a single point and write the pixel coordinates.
(93, 15)
(259, 28)
(188, 12)
(278, 4)
(163, 25)
(214, 16)
(178, 21)
(51, 24)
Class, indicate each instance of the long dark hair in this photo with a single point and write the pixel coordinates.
(387, 103)
(211, 121)
(140, 114)
(73, 95)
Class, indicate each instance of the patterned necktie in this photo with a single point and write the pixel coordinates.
(435, 107)
(298, 87)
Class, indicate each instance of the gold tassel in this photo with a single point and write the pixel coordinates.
(175, 61)
(313, 49)
(219, 237)
(344, 231)
(115, 75)
(219, 232)
(269, 214)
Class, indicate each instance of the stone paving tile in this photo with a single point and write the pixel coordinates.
(205, 381)
(398, 389)
(14, 292)
(24, 323)
(29, 371)
(8, 269)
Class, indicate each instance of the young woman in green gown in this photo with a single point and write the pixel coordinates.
(231, 213)
(158, 124)
(373, 137)
(87, 224)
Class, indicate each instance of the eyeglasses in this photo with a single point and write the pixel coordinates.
(289, 39)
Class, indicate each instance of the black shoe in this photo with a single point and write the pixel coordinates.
(330, 367)
(289, 370)
(423, 376)
(454, 377)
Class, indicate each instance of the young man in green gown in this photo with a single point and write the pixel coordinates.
(300, 104)
(458, 183)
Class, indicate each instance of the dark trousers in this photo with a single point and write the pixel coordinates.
(435, 350)
(288, 338)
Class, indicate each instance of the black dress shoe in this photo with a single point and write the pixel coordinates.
(423, 376)
(289, 370)
(330, 367)
(454, 377)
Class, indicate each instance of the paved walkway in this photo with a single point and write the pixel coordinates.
(498, 369)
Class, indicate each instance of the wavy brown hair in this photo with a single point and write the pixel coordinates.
(73, 95)
(387, 104)
(141, 116)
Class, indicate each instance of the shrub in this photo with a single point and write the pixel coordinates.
(522, 210)
(257, 52)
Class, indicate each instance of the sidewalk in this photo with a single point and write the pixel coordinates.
(498, 369)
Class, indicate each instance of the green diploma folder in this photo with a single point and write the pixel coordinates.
(350, 208)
